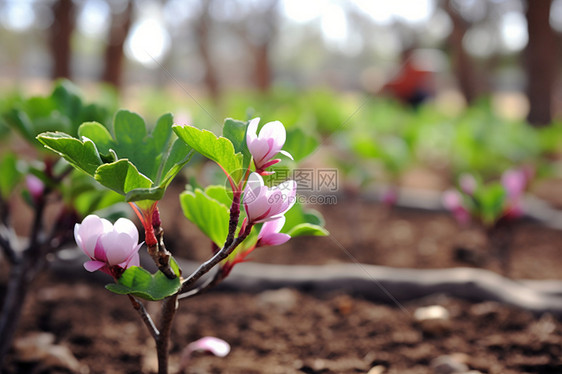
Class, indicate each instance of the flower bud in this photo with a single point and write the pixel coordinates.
(111, 248)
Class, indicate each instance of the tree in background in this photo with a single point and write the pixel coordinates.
(202, 30)
(113, 58)
(541, 58)
(60, 35)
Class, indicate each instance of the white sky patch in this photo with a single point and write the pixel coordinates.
(303, 11)
(334, 24)
(18, 15)
(94, 18)
(556, 15)
(411, 11)
(380, 11)
(513, 31)
(148, 42)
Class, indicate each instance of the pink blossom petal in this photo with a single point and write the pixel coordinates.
(117, 247)
(286, 154)
(93, 265)
(274, 130)
(259, 151)
(99, 252)
(216, 346)
(272, 227)
(274, 239)
(133, 261)
(128, 227)
(251, 132)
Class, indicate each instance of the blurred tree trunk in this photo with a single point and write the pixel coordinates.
(113, 59)
(60, 35)
(540, 62)
(463, 65)
(262, 64)
(202, 28)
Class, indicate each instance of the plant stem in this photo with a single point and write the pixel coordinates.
(169, 308)
(6, 243)
(22, 274)
(234, 217)
(218, 257)
(139, 307)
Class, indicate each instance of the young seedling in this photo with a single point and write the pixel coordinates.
(494, 207)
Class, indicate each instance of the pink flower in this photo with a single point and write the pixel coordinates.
(468, 184)
(264, 204)
(269, 234)
(35, 187)
(452, 200)
(111, 248)
(514, 182)
(267, 144)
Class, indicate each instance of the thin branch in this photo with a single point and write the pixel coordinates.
(6, 244)
(210, 283)
(218, 257)
(234, 217)
(139, 307)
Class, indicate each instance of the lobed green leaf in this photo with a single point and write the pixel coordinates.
(139, 282)
(208, 214)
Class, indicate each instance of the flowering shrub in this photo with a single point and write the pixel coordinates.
(139, 166)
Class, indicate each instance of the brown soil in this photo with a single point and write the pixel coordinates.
(290, 332)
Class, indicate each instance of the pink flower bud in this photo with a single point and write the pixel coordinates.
(264, 204)
(35, 186)
(514, 182)
(468, 183)
(269, 234)
(267, 144)
(108, 245)
(452, 200)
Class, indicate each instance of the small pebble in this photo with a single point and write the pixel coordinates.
(448, 364)
(283, 299)
(379, 369)
(433, 319)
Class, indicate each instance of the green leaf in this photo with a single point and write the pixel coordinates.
(219, 149)
(10, 175)
(208, 214)
(179, 155)
(307, 229)
(99, 134)
(299, 144)
(300, 222)
(81, 154)
(122, 177)
(219, 193)
(140, 283)
(135, 164)
(235, 131)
